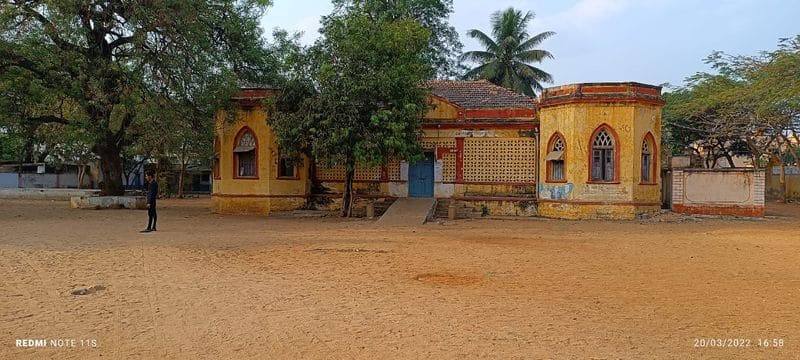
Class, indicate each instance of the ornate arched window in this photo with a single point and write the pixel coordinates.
(556, 150)
(648, 163)
(602, 165)
(245, 155)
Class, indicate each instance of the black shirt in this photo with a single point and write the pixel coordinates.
(152, 192)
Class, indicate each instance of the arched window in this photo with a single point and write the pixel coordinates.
(244, 155)
(648, 155)
(556, 150)
(603, 156)
(215, 159)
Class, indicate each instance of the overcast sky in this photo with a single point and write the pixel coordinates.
(649, 41)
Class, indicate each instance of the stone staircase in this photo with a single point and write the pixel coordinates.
(360, 207)
(462, 210)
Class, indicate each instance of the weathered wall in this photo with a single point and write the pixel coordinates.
(791, 177)
(66, 180)
(9, 180)
(575, 211)
(574, 115)
(442, 110)
(266, 192)
(45, 194)
(494, 162)
(718, 191)
(41, 181)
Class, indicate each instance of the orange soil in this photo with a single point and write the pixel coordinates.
(216, 286)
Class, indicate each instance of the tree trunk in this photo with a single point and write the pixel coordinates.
(111, 168)
(182, 173)
(730, 161)
(791, 148)
(783, 182)
(347, 196)
(81, 174)
(181, 176)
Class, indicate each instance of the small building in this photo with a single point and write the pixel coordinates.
(585, 151)
(600, 146)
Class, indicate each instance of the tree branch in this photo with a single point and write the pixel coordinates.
(47, 119)
(51, 31)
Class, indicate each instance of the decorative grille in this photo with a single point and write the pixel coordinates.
(500, 160)
(247, 140)
(372, 173)
(603, 140)
(393, 168)
(559, 144)
(335, 173)
(432, 143)
(448, 167)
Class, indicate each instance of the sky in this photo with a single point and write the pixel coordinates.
(648, 41)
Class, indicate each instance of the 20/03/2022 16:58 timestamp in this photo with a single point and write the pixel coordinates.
(738, 342)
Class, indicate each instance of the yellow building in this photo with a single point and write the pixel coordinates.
(600, 146)
(247, 174)
(482, 149)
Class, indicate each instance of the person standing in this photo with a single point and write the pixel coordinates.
(152, 194)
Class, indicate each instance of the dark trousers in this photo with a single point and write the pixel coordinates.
(151, 217)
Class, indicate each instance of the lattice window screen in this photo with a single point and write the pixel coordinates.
(449, 167)
(500, 160)
(368, 173)
(362, 174)
(393, 168)
(335, 173)
(431, 143)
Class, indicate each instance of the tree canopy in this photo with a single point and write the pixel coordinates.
(509, 53)
(121, 69)
(356, 96)
(444, 47)
(750, 106)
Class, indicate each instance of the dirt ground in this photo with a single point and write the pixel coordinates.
(214, 286)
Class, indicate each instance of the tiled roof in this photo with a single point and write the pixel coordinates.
(479, 94)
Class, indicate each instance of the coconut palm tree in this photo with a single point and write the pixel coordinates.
(509, 52)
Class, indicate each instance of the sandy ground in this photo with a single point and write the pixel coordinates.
(215, 286)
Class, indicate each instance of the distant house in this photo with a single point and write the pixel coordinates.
(42, 175)
(583, 151)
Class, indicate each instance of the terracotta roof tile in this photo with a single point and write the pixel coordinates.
(479, 94)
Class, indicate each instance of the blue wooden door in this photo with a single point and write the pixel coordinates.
(420, 177)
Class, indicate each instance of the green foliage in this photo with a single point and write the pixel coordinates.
(127, 70)
(444, 45)
(356, 97)
(750, 106)
(509, 53)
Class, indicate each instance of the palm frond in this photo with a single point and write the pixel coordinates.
(533, 75)
(476, 72)
(536, 40)
(482, 38)
(478, 56)
(533, 56)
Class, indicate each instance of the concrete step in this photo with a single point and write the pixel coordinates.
(380, 206)
(407, 212)
(463, 211)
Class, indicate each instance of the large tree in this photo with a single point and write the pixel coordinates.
(749, 106)
(116, 60)
(444, 47)
(356, 98)
(509, 53)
